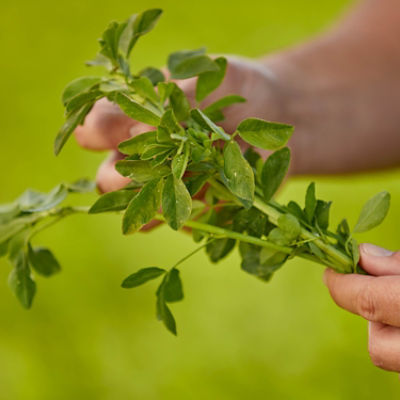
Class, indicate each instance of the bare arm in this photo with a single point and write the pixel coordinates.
(342, 92)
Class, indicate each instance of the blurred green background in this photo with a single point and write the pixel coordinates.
(85, 337)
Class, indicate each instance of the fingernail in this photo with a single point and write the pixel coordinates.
(376, 251)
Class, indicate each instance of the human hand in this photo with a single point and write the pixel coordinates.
(106, 125)
(375, 298)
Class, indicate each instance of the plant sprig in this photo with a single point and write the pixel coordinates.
(175, 161)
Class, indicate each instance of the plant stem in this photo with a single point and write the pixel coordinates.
(342, 263)
(192, 253)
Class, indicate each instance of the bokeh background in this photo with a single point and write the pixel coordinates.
(86, 338)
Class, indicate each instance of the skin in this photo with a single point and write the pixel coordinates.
(341, 91)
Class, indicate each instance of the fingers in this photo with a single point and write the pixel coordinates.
(373, 298)
(378, 261)
(104, 127)
(384, 346)
(108, 179)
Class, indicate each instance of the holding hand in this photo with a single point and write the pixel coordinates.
(375, 298)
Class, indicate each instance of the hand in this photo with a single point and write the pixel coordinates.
(106, 126)
(375, 298)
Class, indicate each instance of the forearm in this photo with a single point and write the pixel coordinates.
(342, 92)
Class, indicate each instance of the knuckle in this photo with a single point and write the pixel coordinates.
(366, 303)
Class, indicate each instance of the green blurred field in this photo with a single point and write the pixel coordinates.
(86, 338)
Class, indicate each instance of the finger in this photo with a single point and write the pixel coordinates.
(104, 128)
(384, 346)
(378, 261)
(373, 298)
(108, 179)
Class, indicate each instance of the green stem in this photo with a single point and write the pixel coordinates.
(192, 253)
(342, 263)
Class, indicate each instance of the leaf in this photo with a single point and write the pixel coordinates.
(279, 237)
(179, 103)
(170, 123)
(238, 173)
(52, 199)
(296, 210)
(137, 144)
(290, 226)
(173, 290)
(223, 102)
(179, 162)
(142, 276)
(20, 280)
(274, 171)
(138, 25)
(112, 201)
(4, 248)
(109, 41)
(373, 212)
(207, 82)
(43, 261)
(82, 185)
(82, 99)
(176, 202)
(322, 213)
(154, 74)
(156, 150)
(219, 248)
(142, 207)
(310, 203)
(316, 250)
(195, 183)
(206, 123)
(355, 253)
(73, 120)
(144, 87)
(79, 86)
(15, 226)
(164, 314)
(141, 170)
(135, 110)
(263, 134)
(164, 90)
(188, 63)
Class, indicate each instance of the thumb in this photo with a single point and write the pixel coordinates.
(379, 261)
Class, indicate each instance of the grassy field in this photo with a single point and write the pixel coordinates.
(86, 338)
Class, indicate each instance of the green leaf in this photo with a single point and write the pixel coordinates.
(195, 183)
(154, 74)
(188, 63)
(180, 161)
(4, 248)
(137, 144)
(142, 207)
(164, 90)
(206, 123)
(322, 213)
(52, 199)
(316, 250)
(138, 25)
(373, 212)
(15, 226)
(274, 171)
(290, 226)
(83, 99)
(279, 237)
(310, 203)
(20, 280)
(79, 86)
(176, 202)
(8, 212)
(82, 185)
(238, 173)
(112, 201)
(164, 314)
(171, 124)
(355, 253)
(142, 276)
(144, 87)
(135, 110)
(43, 261)
(173, 289)
(263, 134)
(222, 103)
(296, 210)
(179, 103)
(110, 39)
(73, 120)
(141, 170)
(156, 150)
(219, 248)
(207, 82)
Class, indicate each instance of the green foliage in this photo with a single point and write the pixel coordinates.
(174, 162)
